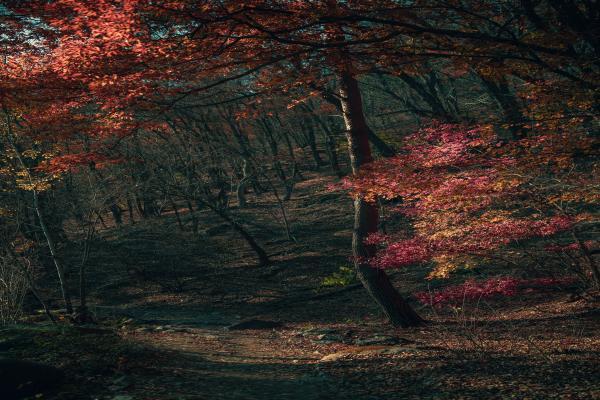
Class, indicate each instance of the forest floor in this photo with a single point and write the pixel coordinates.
(165, 297)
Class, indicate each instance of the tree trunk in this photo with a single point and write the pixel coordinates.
(117, 214)
(366, 217)
(263, 258)
(38, 210)
(330, 145)
(193, 216)
(290, 183)
(333, 157)
(83, 314)
(241, 187)
(381, 146)
(312, 144)
(510, 106)
(140, 207)
(53, 254)
(130, 211)
(176, 211)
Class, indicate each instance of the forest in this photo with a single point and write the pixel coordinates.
(299, 199)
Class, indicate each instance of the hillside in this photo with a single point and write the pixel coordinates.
(166, 298)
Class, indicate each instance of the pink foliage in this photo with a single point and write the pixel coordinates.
(403, 252)
(377, 238)
(589, 244)
(473, 290)
(465, 192)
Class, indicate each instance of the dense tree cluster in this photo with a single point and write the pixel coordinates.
(482, 116)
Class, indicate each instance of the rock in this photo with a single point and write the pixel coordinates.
(335, 356)
(330, 338)
(19, 379)
(318, 332)
(254, 324)
(370, 351)
(180, 329)
(380, 340)
(161, 327)
(401, 349)
(327, 335)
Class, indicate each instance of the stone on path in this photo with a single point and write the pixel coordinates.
(254, 324)
(371, 351)
(381, 340)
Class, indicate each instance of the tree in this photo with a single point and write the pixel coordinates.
(472, 197)
(127, 63)
(112, 79)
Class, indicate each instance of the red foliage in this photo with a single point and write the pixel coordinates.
(473, 290)
(72, 162)
(470, 195)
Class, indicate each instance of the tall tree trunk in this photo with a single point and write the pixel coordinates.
(38, 210)
(83, 314)
(380, 145)
(426, 91)
(332, 155)
(511, 108)
(246, 152)
(366, 217)
(312, 144)
(329, 142)
(54, 254)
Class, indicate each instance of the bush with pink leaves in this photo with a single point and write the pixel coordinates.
(473, 290)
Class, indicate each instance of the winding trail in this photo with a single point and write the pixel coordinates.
(201, 363)
(198, 358)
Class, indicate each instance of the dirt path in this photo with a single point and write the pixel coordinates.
(219, 364)
(203, 360)
(169, 296)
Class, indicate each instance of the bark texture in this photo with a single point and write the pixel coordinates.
(366, 215)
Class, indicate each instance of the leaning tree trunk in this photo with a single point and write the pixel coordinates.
(263, 257)
(366, 216)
